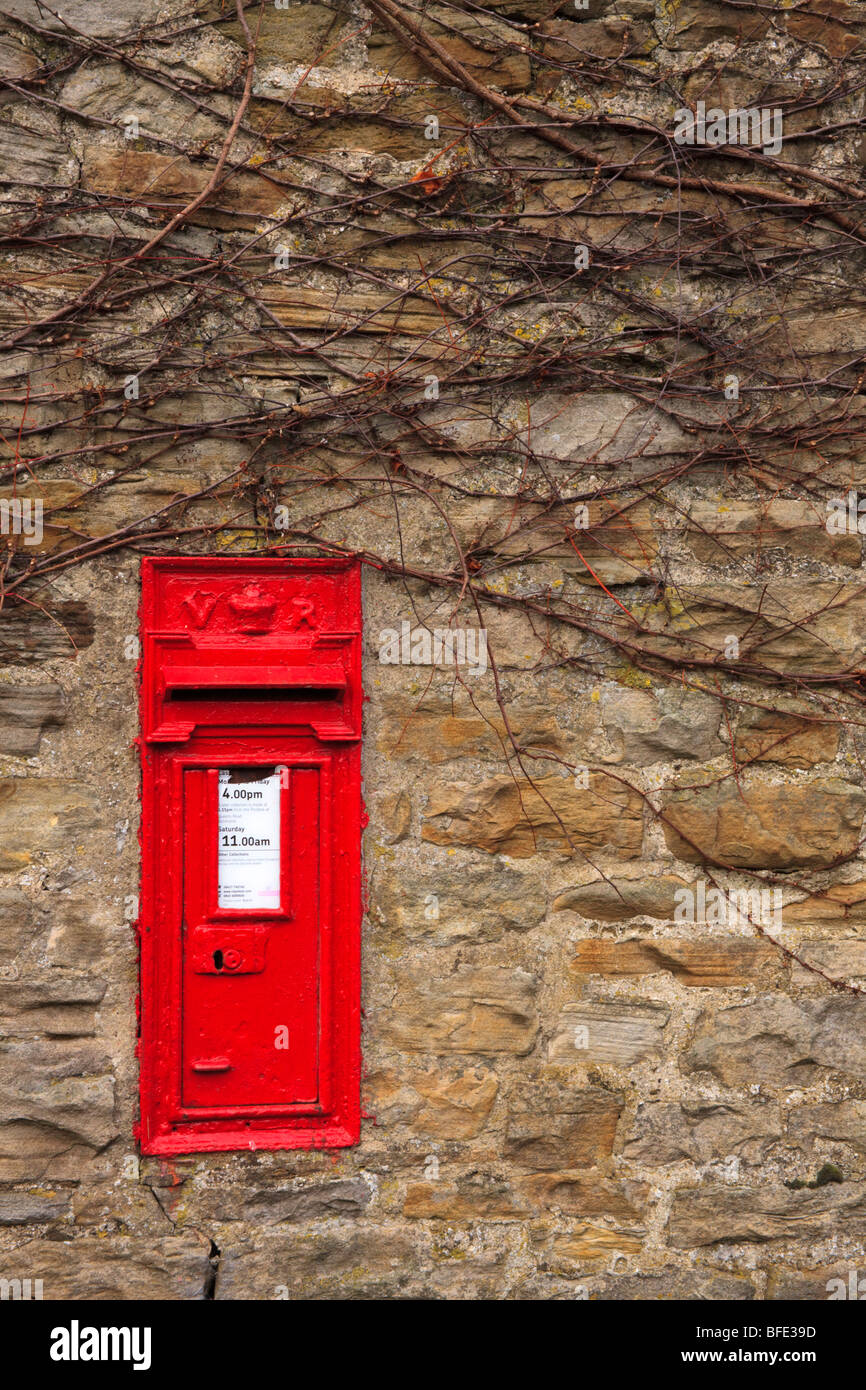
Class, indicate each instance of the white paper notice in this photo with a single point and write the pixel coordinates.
(249, 841)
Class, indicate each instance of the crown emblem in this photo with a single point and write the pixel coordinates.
(254, 608)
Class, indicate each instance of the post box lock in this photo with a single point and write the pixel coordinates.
(251, 822)
(216, 951)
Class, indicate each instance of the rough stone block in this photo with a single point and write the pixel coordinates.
(126, 1268)
(504, 815)
(486, 1009)
(701, 1132)
(25, 712)
(556, 1128)
(620, 1033)
(765, 825)
(336, 1264)
(715, 1214)
(43, 813)
(701, 962)
(778, 1042)
(54, 1095)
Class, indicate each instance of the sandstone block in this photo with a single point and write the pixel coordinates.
(502, 815)
(614, 539)
(617, 899)
(16, 61)
(54, 1095)
(648, 728)
(701, 1132)
(566, 42)
(39, 814)
(168, 182)
(32, 1208)
(698, 1285)
(479, 902)
(605, 425)
(780, 1043)
(826, 1282)
(16, 915)
(339, 1263)
(720, 533)
(716, 1214)
(25, 712)
(586, 1195)
(476, 41)
(589, 1246)
(455, 1105)
(113, 18)
(550, 1128)
(127, 1268)
(775, 737)
(609, 1032)
(57, 1002)
(478, 1197)
(438, 728)
(782, 625)
(841, 905)
(28, 636)
(843, 1121)
(700, 962)
(264, 1205)
(836, 27)
(697, 23)
(841, 960)
(308, 34)
(488, 1009)
(765, 826)
(30, 159)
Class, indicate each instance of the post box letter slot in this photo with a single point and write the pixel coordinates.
(254, 692)
(267, 677)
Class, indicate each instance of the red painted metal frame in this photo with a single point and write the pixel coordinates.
(266, 656)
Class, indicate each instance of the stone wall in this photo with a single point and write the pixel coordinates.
(551, 374)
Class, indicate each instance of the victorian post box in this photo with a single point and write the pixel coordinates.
(251, 824)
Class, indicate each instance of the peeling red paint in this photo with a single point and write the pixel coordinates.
(168, 1170)
(250, 1022)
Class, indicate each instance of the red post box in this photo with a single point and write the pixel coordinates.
(251, 830)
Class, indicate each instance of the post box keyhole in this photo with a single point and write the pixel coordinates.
(227, 960)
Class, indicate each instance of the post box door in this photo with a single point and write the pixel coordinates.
(251, 937)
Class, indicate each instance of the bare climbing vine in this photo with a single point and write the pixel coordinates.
(335, 329)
